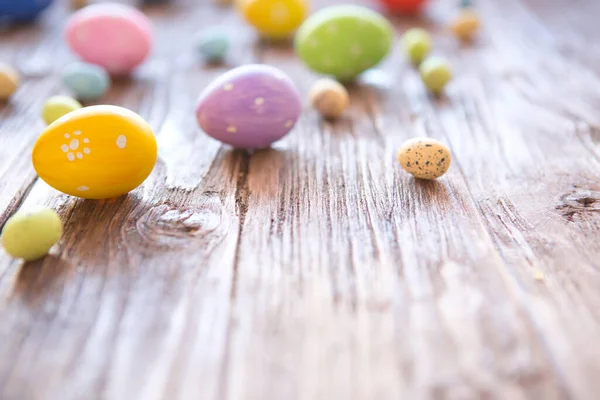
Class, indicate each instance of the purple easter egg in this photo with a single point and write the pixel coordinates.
(249, 107)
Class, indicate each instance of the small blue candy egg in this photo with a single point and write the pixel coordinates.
(22, 10)
(86, 81)
(213, 44)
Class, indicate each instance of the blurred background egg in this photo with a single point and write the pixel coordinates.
(344, 41)
(213, 44)
(115, 36)
(86, 81)
(22, 10)
(276, 19)
(404, 6)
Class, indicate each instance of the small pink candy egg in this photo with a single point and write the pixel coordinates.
(115, 36)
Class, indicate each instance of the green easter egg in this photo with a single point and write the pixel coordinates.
(344, 41)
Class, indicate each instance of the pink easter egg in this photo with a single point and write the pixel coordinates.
(249, 107)
(114, 36)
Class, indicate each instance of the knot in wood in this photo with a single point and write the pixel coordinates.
(579, 201)
(166, 225)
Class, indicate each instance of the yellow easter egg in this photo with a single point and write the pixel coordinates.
(274, 18)
(96, 152)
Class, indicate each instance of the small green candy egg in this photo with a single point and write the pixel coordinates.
(436, 73)
(57, 106)
(417, 44)
(30, 234)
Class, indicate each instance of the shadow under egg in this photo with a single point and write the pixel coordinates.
(431, 193)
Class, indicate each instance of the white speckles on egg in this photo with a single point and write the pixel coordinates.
(93, 159)
(121, 141)
(227, 87)
(83, 188)
(67, 136)
(331, 29)
(231, 129)
(259, 101)
(424, 158)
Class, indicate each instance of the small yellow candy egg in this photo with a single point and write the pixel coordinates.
(275, 19)
(9, 81)
(57, 106)
(96, 152)
(466, 24)
(329, 98)
(30, 234)
(424, 158)
(435, 73)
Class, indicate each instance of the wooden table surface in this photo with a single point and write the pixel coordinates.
(319, 269)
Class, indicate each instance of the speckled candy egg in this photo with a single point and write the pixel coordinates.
(96, 152)
(249, 107)
(424, 158)
(22, 10)
(86, 81)
(344, 41)
(274, 18)
(115, 36)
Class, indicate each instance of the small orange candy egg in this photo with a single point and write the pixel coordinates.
(96, 152)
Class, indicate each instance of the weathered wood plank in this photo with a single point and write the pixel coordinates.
(514, 130)
(319, 269)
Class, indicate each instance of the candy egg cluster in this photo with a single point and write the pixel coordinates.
(249, 107)
(29, 234)
(96, 152)
(344, 41)
(115, 36)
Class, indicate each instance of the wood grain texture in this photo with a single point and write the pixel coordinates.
(319, 269)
